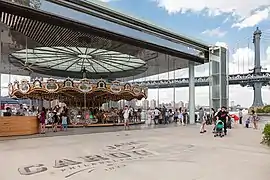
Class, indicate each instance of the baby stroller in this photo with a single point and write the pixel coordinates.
(219, 129)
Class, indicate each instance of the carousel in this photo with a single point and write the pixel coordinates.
(88, 81)
(83, 98)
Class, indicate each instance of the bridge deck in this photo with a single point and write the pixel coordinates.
(242, 79)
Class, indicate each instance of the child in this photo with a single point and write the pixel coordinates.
(64, 122)
(247, 122)
(219, 129)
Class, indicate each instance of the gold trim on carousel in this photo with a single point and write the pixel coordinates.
(68, 87)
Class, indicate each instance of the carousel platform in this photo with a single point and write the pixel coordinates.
(100, 125)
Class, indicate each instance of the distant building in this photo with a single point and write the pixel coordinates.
(145, 104)
(132, 103)
(105, 106)
(153, 104)
(121, 104)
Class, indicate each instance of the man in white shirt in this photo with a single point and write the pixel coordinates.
(156, 115)
(126, 112)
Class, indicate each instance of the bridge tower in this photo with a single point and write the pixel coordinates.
(257, 86)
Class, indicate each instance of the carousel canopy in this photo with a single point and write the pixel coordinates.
(77, 93)
(97, 62)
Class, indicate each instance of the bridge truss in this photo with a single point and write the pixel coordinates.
(234, 79)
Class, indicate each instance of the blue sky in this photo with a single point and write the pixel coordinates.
(227, 23)
(194, 23)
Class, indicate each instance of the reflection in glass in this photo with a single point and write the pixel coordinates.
(113, 27)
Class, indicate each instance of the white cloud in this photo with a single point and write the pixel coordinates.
(222, 44)
(254, 19)
(217, 32)
(242, 11)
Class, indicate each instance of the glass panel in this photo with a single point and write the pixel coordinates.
(113, 27)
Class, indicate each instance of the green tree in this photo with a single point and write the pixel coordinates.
(260, 110)
(266, 109)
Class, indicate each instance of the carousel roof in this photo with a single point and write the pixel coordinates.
(97, 62)
(129, 47)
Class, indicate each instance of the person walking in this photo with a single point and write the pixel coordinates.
(240, 114)
(255, 119)
(223, 116)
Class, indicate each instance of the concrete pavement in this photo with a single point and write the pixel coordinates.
(165, 153)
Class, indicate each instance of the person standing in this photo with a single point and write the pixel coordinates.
(170, 116)
(156, 115)
(64, 122)
(126, 114)
(42, 117)
(185, 117)
(240, 116)
(175, 115)
(213, 119)
(180, 116)
(223, 116)
(166, 119)
(149, 116)
(202, 117)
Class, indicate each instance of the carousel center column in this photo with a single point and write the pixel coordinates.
(1, 65)
(40, 101)
(33, 102)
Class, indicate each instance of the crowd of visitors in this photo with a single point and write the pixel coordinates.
(166, 116)
(59, 118)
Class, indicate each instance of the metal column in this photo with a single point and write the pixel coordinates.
(257, 86)
(218, 69)
(174, 85)
(158, 90)
(1, 64)
(191, 92)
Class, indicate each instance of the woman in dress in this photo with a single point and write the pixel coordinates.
(42, 117)
(255, 119)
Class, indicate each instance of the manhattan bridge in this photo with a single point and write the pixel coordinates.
(256, 77)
